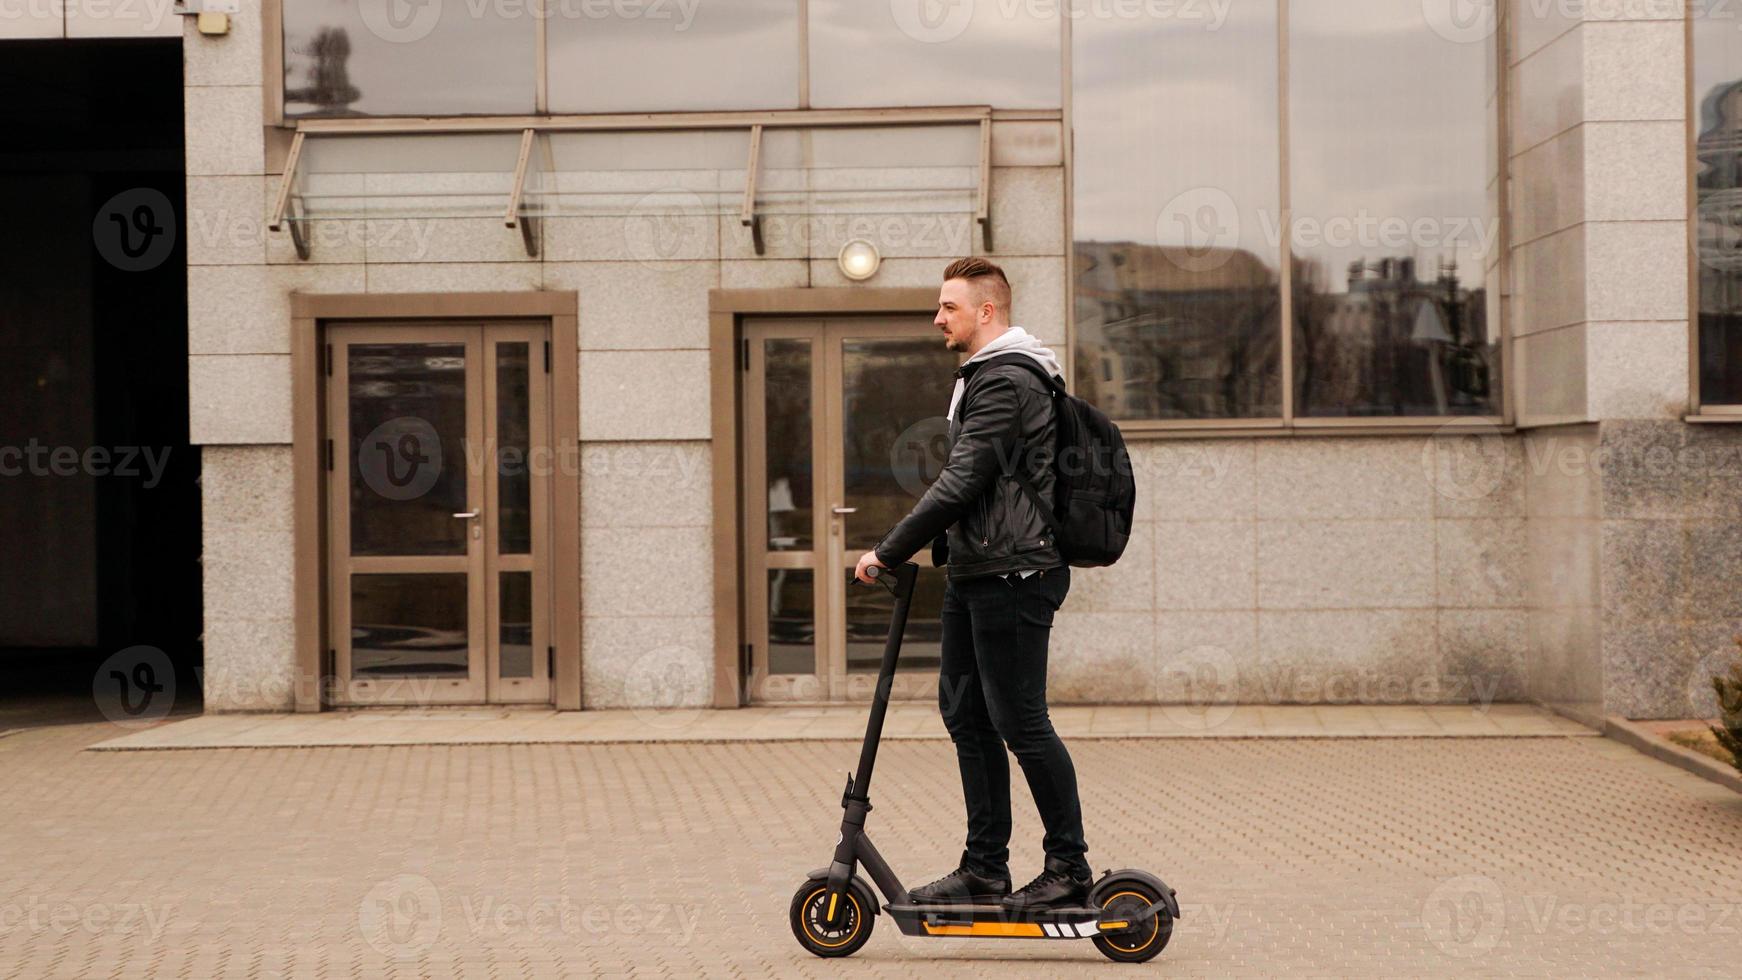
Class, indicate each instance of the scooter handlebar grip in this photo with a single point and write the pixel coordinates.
(905, 576)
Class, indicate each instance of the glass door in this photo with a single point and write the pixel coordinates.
(436, 511)
(890, 387)
(844, 430)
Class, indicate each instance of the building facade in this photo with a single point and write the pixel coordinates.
(571, 357)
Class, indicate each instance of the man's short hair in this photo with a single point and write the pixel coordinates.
(988, 280)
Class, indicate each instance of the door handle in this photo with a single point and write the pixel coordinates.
(468, 515)
(846, 510)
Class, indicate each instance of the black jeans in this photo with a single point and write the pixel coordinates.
(992, 692)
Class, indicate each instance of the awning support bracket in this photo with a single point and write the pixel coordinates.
(512, 214)
(283, 204)
(515, 215)
(983, 204)
(529, 234)
(747, 216)
(298, 233)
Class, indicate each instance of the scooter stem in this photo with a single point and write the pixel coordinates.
(905, 577)
(856, 801)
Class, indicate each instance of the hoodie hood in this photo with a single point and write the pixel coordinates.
(1013, 341)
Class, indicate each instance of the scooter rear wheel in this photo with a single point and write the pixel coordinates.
(1142, 942)
(809, 912)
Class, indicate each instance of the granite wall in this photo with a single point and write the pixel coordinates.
(1376, 570)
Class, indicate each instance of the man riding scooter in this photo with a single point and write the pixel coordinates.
(1006, 578)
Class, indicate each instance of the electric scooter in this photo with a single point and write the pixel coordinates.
(1129, 913)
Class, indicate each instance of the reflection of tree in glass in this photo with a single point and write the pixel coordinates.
(1391, 345)
(787, 408)
(329, 87)
(1718, 186)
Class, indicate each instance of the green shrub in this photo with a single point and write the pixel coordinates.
(1728, 731)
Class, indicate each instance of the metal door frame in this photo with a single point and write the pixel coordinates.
(827, 559)
(483, 561)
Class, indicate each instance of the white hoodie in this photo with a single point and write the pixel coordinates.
(1012, 341)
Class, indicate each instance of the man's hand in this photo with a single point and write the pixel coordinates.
(867, 560)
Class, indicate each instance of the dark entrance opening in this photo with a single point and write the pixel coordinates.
(99, 495)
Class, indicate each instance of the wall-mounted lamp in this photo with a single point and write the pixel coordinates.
(859, 260)
(211, 17)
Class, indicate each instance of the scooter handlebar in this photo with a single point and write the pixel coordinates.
(905, 576)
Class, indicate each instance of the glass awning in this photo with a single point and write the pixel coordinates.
(871, 170)
(456, 175)
(934, 166)
(613, 174)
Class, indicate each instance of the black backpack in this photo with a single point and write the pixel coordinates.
(1094, 491)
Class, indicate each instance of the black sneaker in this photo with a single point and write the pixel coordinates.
(962, 887)
(1054, 888)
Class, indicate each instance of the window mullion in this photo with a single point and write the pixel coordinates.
(1285, 199)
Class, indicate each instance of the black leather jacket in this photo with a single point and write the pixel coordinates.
(989, 525)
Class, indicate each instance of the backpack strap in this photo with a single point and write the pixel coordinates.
(1056, 387)
(1053, 383)
(1028, 488)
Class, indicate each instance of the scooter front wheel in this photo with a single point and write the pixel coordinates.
(809, 914)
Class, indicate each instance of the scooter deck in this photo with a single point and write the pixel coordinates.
(995, 921)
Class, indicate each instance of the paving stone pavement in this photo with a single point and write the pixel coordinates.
(1293, 857)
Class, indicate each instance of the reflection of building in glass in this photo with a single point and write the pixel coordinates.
(1719, 189)
(1392, 344)
(1176, 332)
